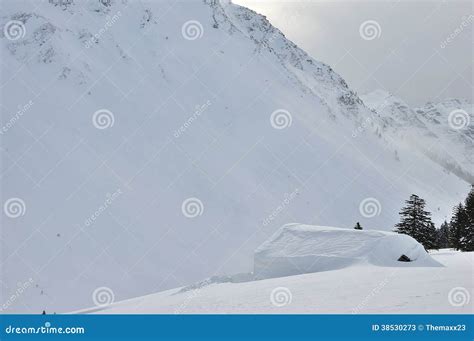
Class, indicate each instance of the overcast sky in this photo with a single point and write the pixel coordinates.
(405, 57)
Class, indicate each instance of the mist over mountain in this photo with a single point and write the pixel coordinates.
(442, 131)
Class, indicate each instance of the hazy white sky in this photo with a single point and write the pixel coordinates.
(406, 58)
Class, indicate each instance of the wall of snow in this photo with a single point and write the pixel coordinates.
(297, 249)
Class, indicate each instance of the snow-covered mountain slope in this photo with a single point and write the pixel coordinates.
(298, 249)
(362, 289)
(443, 131)
(151, 144)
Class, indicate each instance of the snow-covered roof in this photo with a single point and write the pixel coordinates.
(297, 248)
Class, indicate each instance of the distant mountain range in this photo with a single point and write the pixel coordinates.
(443, 131)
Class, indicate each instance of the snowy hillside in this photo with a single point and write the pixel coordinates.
(361, 289)
(147, 145)
(442, 131)
(297, 249)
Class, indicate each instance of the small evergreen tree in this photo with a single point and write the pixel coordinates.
(461, 230)
(459, 222)
(443, 236)
(358, 227)
(416, 222)
(430, 237)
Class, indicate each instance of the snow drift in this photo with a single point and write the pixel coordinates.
(297, 249)
(353, 290)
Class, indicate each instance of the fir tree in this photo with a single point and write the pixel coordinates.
(443, 236)
(431, 237)
(416, 222)
(358, 227)
(459, 222)
(468, 231)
